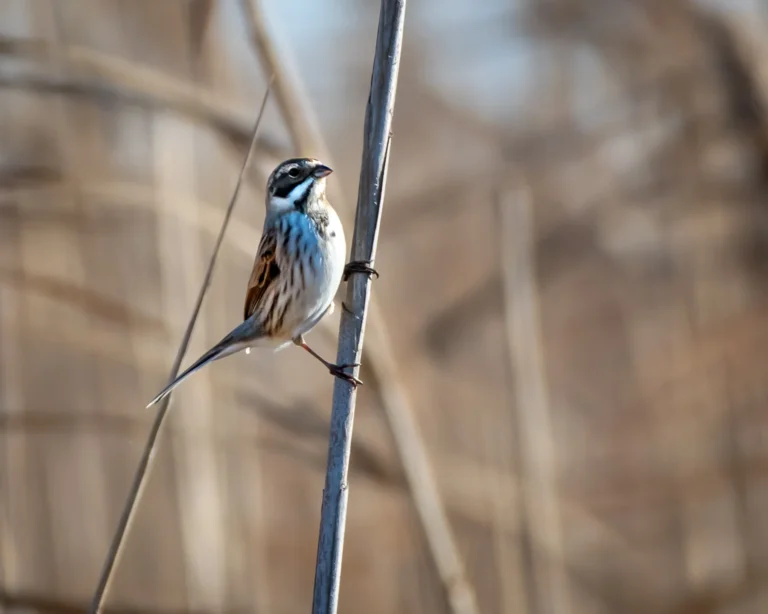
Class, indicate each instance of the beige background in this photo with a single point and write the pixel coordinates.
(630, 135)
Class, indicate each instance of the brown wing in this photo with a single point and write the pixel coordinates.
(265, 272)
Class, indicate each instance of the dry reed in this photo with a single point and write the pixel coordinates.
(142, 471)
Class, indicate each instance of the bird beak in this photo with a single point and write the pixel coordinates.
(321, 170)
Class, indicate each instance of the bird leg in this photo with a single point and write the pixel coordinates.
(360, 266)
(336, 370)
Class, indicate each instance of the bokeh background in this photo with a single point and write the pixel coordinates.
(573, 257)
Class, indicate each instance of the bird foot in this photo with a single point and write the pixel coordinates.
(360, 266)
(338, 371)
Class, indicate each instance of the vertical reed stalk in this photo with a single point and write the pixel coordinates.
(306, 137)
(370, 198)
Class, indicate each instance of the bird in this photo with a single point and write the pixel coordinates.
(298, 267)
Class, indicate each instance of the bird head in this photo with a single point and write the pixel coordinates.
(296, 184)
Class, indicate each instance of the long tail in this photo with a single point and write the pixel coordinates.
(234, 342)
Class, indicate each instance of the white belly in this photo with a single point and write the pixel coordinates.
(322, 275)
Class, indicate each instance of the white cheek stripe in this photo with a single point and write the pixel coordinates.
(300, 190)
(296, 194)
(289, 202)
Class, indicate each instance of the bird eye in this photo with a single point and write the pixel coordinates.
(293, 173)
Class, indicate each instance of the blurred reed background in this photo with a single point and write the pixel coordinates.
(573, 258)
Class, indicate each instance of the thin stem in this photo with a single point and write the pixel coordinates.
(306, 136)
(373, 174)
(142, 471)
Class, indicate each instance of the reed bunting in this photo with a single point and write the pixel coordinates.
(299, 266)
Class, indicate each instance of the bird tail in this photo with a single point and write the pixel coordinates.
(234, 342)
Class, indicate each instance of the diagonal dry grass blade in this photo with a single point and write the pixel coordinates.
(142, 471)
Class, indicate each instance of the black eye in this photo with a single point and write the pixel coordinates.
(293, 173)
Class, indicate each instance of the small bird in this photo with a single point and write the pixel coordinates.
(298, 268)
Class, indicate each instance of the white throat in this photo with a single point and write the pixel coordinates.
(297, 194)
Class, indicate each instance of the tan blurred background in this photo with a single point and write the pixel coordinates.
(573, 258)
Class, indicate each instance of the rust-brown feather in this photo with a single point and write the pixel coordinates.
(265, 272)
